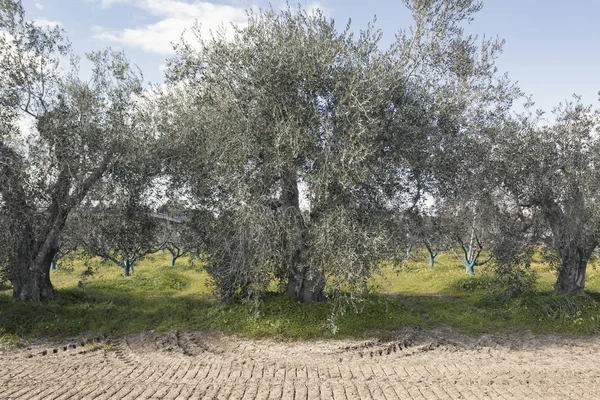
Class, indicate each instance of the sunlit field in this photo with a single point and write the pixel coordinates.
(95, 298)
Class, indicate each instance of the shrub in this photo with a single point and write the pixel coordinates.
(511, 281)
(471, 283)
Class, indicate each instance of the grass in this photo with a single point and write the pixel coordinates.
(161, 297)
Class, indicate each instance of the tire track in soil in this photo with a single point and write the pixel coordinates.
(198, 365)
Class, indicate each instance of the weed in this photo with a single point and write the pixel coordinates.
(471, 284)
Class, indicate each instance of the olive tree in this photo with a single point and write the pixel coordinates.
(429, 230)
(466, 228)
(547, 179)
(440, 141)
(288, 113)
(306, 138)
(172, 231)
(124, 232)
(170, 236)
(81, 130)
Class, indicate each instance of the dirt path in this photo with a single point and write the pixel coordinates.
(415, 365)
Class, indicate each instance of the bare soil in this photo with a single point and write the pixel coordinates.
(198, 365)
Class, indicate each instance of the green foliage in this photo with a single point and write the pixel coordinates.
(556, 308)
(551, 187)
(4, 283)
(550, 258)
(170, 281)
(472, 284)
(290, 98)
(511, 281)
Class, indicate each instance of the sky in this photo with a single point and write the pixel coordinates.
(552, 47)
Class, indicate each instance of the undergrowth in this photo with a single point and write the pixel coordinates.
(160, 297)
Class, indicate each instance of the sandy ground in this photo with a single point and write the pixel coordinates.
(198, 365)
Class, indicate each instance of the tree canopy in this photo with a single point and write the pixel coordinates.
(313, 136)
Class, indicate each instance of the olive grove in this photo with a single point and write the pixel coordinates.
(300, 153)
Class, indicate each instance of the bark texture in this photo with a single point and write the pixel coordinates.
(571, 273)
(304, 283)
(575, 241)
(31, 282)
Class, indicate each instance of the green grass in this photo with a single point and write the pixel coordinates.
(160, 297)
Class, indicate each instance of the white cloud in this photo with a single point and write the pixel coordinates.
(46, 22)
(39, 6)
(173, 17)
(108, 3)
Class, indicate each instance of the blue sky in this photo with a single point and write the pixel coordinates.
(552, 47)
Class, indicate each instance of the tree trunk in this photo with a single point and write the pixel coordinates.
(470, 268)
(33, 252)
(30, 270)
(127, 267)
(571, 274)
(407, 253)
(175, 254)
(432, 257)
(432, 254)
(304, 283)
(31, 280)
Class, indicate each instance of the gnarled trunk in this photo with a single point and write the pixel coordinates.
(30, 259)
(34, 284)
(574, 241)
(30, 264)
(30, 278)
(571, 274)
(305, 283)
(37, 240)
